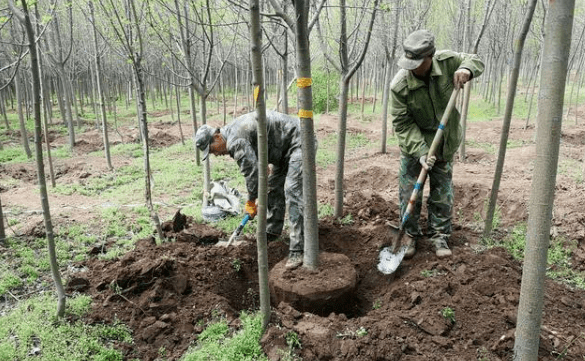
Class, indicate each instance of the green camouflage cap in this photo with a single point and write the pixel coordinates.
(416, 46)
(203, 138)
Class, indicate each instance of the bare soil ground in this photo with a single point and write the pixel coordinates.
(166, 293)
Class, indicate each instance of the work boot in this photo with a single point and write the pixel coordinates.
(410, 243)
(271, 236)
(441, 247)
(295, 259)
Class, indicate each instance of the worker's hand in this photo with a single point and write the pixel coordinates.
(461, 77)
(427, 163)
(251, 209)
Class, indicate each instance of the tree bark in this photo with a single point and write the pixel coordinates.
(256, 35)
(557, 44)
(305, 106)
(21, 122)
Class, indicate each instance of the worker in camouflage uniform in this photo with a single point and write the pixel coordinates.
(239, 139)
(420, 92)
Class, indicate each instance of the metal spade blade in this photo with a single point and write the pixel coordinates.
(388, 261)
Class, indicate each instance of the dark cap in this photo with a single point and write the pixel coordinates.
(203, 138)
(416, 46)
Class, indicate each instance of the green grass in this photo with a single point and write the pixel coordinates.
(558, 256)
(572, 168)
(32, 332)
(218, 342)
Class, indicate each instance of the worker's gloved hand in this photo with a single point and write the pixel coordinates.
(251, 208)
(427, 163)
(461, 77)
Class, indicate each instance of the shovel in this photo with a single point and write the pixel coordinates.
(238, 230)
(389, 258)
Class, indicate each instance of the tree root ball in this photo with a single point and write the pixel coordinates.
(329, 288)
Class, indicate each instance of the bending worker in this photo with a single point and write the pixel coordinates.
(239, 139)
(420, 92)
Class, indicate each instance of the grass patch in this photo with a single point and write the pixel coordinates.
(218, 342)
(324, 210)
(13, 155)
(31, 331)
(487, 147)
(571, 168)
(558, 256)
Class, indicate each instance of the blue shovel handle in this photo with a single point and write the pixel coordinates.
(239, 229)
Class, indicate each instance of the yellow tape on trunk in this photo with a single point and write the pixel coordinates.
(304, 82)
(305, 113)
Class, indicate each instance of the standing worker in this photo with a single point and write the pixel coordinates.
(420, 92)
(239, 139)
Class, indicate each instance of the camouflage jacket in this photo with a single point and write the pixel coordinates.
(417, 107)
(283, 133)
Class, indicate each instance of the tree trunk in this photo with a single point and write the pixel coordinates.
(532, 94)
(43, 98)
(256, 35)
(464, 109)
(305, 106)
(61, 298)
(284, 84)
(519, 47)
(2, 230)
(385, 101)
(178, 98)
(100, 91)
(559, 23)
(345, 82)
(21, 122)
(3, 110)
(206, 162)
(344, 90)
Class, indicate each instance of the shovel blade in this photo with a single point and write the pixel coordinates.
(388, 261)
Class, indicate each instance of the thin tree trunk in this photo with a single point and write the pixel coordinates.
(100, 90)
(519, 47)
(345, 82)
(206, 165)
(236, 90)
(375, 82)
(305, 103)
(178, 98)
(385, 96)
(285, 75)
(256, 35)
(2, 229)
(577, 97)
(532, 95)
(21, 122)
(3, 110)
(464, 109)
(43, 99)
(24, 17)
(559, 23)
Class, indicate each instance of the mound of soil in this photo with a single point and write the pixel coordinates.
(166, 292)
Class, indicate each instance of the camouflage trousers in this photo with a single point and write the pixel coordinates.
(439, 201)
(285, 195)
